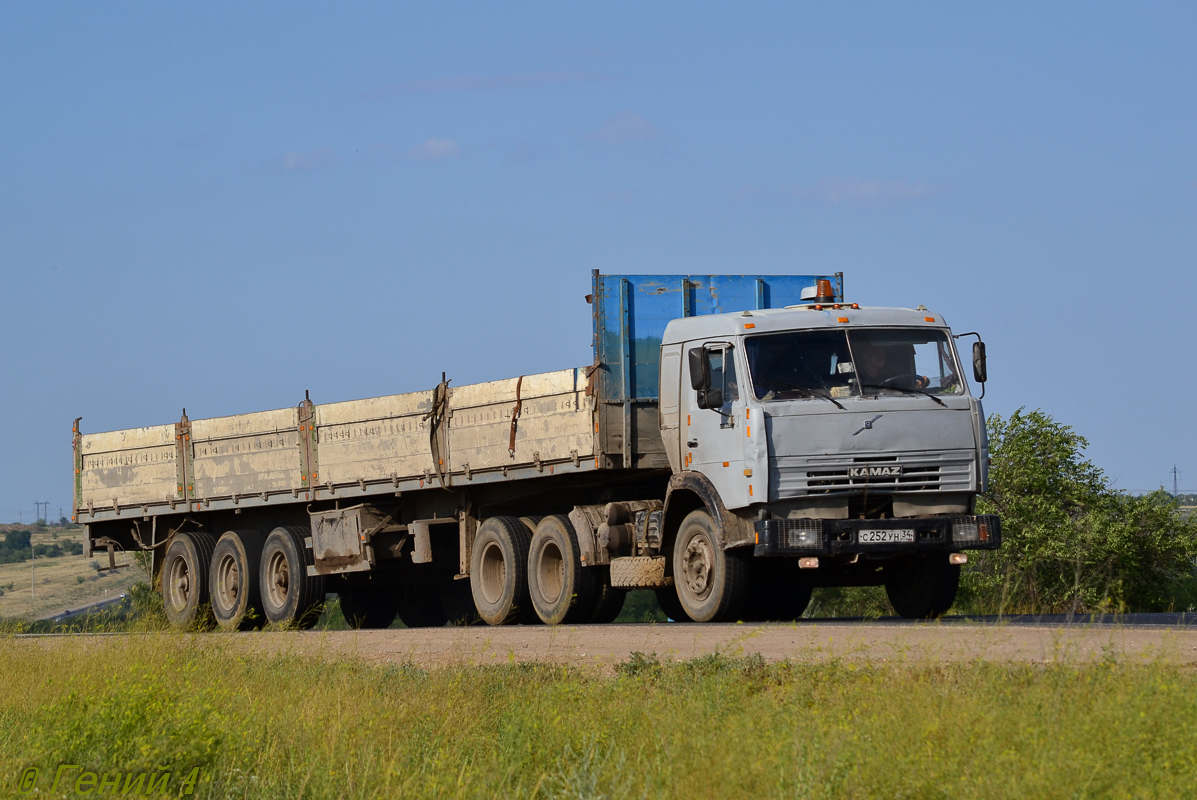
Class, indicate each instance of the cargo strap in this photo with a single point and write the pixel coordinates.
(515, 415)
(440, 403)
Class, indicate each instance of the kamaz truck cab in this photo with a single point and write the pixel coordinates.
(840, 439)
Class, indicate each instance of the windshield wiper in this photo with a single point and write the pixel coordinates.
(904, 389)
(809, 392)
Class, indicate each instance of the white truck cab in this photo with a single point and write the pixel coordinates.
(844, 437)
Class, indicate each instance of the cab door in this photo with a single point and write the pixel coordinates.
(712, 440)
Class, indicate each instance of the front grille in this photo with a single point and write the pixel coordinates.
(912, 479)
(801, 476)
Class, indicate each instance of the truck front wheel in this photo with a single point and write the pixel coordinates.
(185, 579)
(289, 595)
(711, 582)
(922, 587)
(499, 571)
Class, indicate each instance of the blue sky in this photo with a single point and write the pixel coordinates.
(220, 206)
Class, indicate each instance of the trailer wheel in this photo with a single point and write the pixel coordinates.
(369, 607)
(608, 600)
(711, 582)
(776, 592)
(289, 595)
(922, 587)
(562, 590)
(185, 579)
(233, 584)
(420, 607)
(499, 571)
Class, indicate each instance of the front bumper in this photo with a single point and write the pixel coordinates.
(814, 537)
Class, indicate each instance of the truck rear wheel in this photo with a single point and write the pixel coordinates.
(185, 579)
(711, 582)
(233, 585)
(289, 595)
(369, 607)
(608, 601)
(562, 590)
(922, 587)
(499, 571)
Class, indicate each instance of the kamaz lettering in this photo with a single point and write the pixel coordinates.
(875, 472)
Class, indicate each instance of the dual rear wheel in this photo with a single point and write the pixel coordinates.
(529, 570)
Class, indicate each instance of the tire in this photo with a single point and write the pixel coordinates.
(776, 592)
(922, 587)
(668, 600)
(458, 602)
(711, 582)
(233, 581)
(289, 595)
(499, 571)
(608, 601)
(369, 607)
(184, 583)
(562, 590)
(420, 607)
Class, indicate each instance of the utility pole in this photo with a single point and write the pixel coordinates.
(1175, 475)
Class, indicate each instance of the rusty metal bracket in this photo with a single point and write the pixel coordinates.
(515, 415)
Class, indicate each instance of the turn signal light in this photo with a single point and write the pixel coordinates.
(808, 563)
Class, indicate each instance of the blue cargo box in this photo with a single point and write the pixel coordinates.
(630, 314)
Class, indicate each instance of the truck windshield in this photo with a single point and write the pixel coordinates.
(842, 363)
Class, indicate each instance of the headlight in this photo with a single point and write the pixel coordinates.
(965, 530)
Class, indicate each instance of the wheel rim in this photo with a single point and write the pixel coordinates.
(228, 583)
(550, 572)
(494, 573)
(698, 564)
(179, 583)
(279, 574)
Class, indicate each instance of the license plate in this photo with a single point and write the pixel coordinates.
(893, 535)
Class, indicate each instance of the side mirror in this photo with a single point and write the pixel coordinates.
(711, 398)
(979, 373)
(700, 370)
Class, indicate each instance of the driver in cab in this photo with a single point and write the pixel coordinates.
(880, 366)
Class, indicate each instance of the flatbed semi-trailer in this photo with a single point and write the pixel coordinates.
(544, 497)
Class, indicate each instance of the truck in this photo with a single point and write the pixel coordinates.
(736, 442)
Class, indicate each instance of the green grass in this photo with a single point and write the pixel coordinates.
(290, 726)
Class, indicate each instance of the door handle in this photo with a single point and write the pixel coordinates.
(692, 443)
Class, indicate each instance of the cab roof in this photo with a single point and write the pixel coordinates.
(811, 317)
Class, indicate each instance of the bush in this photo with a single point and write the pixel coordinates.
(1071, 543)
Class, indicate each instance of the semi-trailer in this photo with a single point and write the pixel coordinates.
(735, 442)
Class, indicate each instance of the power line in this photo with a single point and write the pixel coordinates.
(1175, 479)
